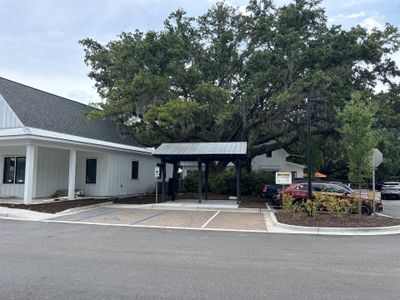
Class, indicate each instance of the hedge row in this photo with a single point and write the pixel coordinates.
(224, 183)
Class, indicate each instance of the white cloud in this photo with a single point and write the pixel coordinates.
(342, 17)
(371, 23)
(356, 15)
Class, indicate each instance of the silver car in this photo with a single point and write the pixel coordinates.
(390, 190)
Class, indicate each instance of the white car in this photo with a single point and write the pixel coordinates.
(390, 190)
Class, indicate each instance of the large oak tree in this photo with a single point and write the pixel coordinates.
(232, 76)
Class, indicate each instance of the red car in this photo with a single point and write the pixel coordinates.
(299, 191)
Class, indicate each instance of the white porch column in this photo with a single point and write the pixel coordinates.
(29, 173)
(71, 174)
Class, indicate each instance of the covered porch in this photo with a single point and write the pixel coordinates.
(33, 169)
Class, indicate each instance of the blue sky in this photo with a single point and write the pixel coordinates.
(39, 38)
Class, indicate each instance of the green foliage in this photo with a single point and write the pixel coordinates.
(335, 205)
(243, 76)
(357, 119)
(291, 206)
(191, 183)
(322, 203)
(224, 182)
(311, 207)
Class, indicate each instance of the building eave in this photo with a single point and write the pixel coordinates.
(51, 136)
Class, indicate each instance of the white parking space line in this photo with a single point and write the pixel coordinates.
(210, 219)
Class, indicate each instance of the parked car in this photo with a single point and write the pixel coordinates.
(390, 190)
(299, 191)
(271, 191)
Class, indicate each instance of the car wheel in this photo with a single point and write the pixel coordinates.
(383, 197)
(366, 210)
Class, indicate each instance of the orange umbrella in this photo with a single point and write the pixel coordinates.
(317, 175)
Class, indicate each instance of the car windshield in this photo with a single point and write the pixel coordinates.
(391, 183)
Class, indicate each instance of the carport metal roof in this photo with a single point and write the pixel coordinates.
(201, 151)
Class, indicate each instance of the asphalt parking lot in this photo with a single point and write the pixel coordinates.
(391, 208)
(212, 219)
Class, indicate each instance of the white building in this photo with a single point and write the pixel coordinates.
(47, 145)
(275, 161)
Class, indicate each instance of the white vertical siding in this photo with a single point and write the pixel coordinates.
(8, 119)
(6, 189)
(93, 189)
(52, 171)
(113, 176)
(119, 174)
(277, 161)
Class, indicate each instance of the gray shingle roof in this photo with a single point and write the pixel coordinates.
(182, 149)
(38, 109)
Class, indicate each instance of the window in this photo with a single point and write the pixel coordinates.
(316, 187)
(20, 170)
(135, 169)
(301, 187)
(91, 170)
(14, 170)
(334, 189)
(268, 154)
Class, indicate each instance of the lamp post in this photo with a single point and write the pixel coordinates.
(309, 194)
(309, 181)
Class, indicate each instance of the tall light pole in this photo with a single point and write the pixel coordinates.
(309, 194)
(309, 181)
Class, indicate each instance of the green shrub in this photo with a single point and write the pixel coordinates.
(321, 202)
(337, 206)
(291, 206)
(224, 183)
(191, 183)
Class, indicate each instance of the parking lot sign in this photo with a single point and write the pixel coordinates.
(157, 172)
(284, 178)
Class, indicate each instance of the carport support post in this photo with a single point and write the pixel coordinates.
(206, 181)
(175, 180)
(163, 175)
(238, 181)
(199, 166)
(71, 174)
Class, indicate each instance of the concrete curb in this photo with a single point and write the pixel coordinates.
(31, 215)
(75, 210)
(23, 214)
(286, 228)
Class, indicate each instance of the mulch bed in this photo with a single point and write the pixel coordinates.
(329, 220)
(57, 206)
(144, 199)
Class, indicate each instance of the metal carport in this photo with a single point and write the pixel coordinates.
(174, 153)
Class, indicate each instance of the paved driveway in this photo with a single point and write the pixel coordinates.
(210, 219)
(391, 208)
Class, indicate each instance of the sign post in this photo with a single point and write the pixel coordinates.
(157, 175)
(377, 159)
